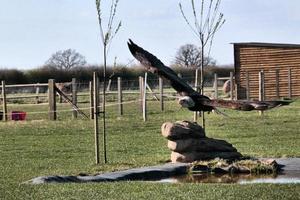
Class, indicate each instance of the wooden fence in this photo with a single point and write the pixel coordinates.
(278, 83)
(54, 92)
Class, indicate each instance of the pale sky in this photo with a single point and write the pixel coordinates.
(31, 30)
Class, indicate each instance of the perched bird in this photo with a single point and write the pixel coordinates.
(190, 98)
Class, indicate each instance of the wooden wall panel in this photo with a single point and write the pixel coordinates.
(253, 58)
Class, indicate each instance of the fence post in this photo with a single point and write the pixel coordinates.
(91, 100)
(161, 93)
(231, 85)
(145, 98)
(4, 102)
(216, 85)
(96, 112)
(120, 98)
(141, 83)
(74, 97)
(108, 85)
(37, 92)
(52, 99)
(261, 88)
(197, 89)
(60, 98)
(290, 83)
(247, 86)
(277, 83)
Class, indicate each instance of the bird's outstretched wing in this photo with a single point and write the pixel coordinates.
(154, 65)
(245, 105)
(202, 103)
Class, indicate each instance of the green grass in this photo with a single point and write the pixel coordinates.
(39, 147)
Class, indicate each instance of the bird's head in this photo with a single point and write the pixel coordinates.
(186, 102)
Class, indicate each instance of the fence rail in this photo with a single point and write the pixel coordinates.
(27, 85)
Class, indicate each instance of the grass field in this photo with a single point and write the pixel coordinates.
(40, 147)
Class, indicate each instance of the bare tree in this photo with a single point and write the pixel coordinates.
(189, 55)
(204, 24)
(66, 59)
(106, 39)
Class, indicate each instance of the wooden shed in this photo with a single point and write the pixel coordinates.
(280, 64)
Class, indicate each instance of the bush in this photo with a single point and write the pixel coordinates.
(189, 73)
(13, 76)
(42, 74)
(85, 74)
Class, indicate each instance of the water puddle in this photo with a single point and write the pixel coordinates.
(282, 178)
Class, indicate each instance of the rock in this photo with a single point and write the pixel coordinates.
(182, 130)
(199, 169)
(269, 161)
(188, 143)
(187, 157)
(247, 166)
(200, 145)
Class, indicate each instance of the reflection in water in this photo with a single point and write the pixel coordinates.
(290, 177)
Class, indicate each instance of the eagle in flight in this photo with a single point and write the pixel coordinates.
(190, 98)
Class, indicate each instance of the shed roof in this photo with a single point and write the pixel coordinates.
(262, 44)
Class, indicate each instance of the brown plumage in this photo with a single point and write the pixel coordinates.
(192, 99)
